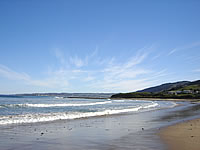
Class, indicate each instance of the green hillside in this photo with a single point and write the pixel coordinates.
(190, 87)
(188, 90)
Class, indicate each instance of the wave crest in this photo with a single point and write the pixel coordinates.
(32, 118)
(54, 105)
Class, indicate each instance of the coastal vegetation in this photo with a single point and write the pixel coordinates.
(178, 90)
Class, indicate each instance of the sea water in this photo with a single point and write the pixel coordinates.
(32, 109)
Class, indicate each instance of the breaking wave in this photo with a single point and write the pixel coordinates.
(32, 118)
(54, 105)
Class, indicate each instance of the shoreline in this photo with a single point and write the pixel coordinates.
(150, 99)
(127, 131)
(160, 99)
(184, 135)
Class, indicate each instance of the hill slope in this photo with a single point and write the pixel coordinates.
(177, 90)
(165, 87)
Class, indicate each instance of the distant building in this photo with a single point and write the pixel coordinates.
(197, 92)
(187, 91)
(179, 92)
(174, 92)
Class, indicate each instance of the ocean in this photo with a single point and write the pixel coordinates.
(61, 123)
(33, 109)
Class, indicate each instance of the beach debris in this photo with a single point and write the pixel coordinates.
(41, 133)
(142, 128)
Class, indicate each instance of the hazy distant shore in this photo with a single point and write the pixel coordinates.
(148, 99)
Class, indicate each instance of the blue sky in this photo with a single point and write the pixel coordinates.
(97, 45)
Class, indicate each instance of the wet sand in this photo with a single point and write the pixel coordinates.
(113, 132)
(183, 136)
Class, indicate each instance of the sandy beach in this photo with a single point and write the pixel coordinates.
(183, 136)
(113, 132)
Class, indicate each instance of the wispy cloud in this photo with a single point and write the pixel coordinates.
(56, 80)
(124, 85)
(59, 55)
(108, 75)
(156, 57)
(92, 55)
(135, 60)
(127, 76)
(196, 70)
(189, 46)
(192, 45)
(172, 51)
(10, 74)
(78, 62)
(74, 60)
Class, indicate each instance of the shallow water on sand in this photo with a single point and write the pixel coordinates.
(112, 132)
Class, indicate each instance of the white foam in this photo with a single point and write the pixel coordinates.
(118, 100)
(152, 105)
(32, 118)
(59, 97)
(57, 105)
(174, 104)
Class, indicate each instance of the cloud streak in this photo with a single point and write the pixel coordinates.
(189, 46)
(49, 82)
(78, 62)
(172, 51)
(59, 55)
(108, 75)
(12, 75)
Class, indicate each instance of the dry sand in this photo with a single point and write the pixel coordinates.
(182, 136)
